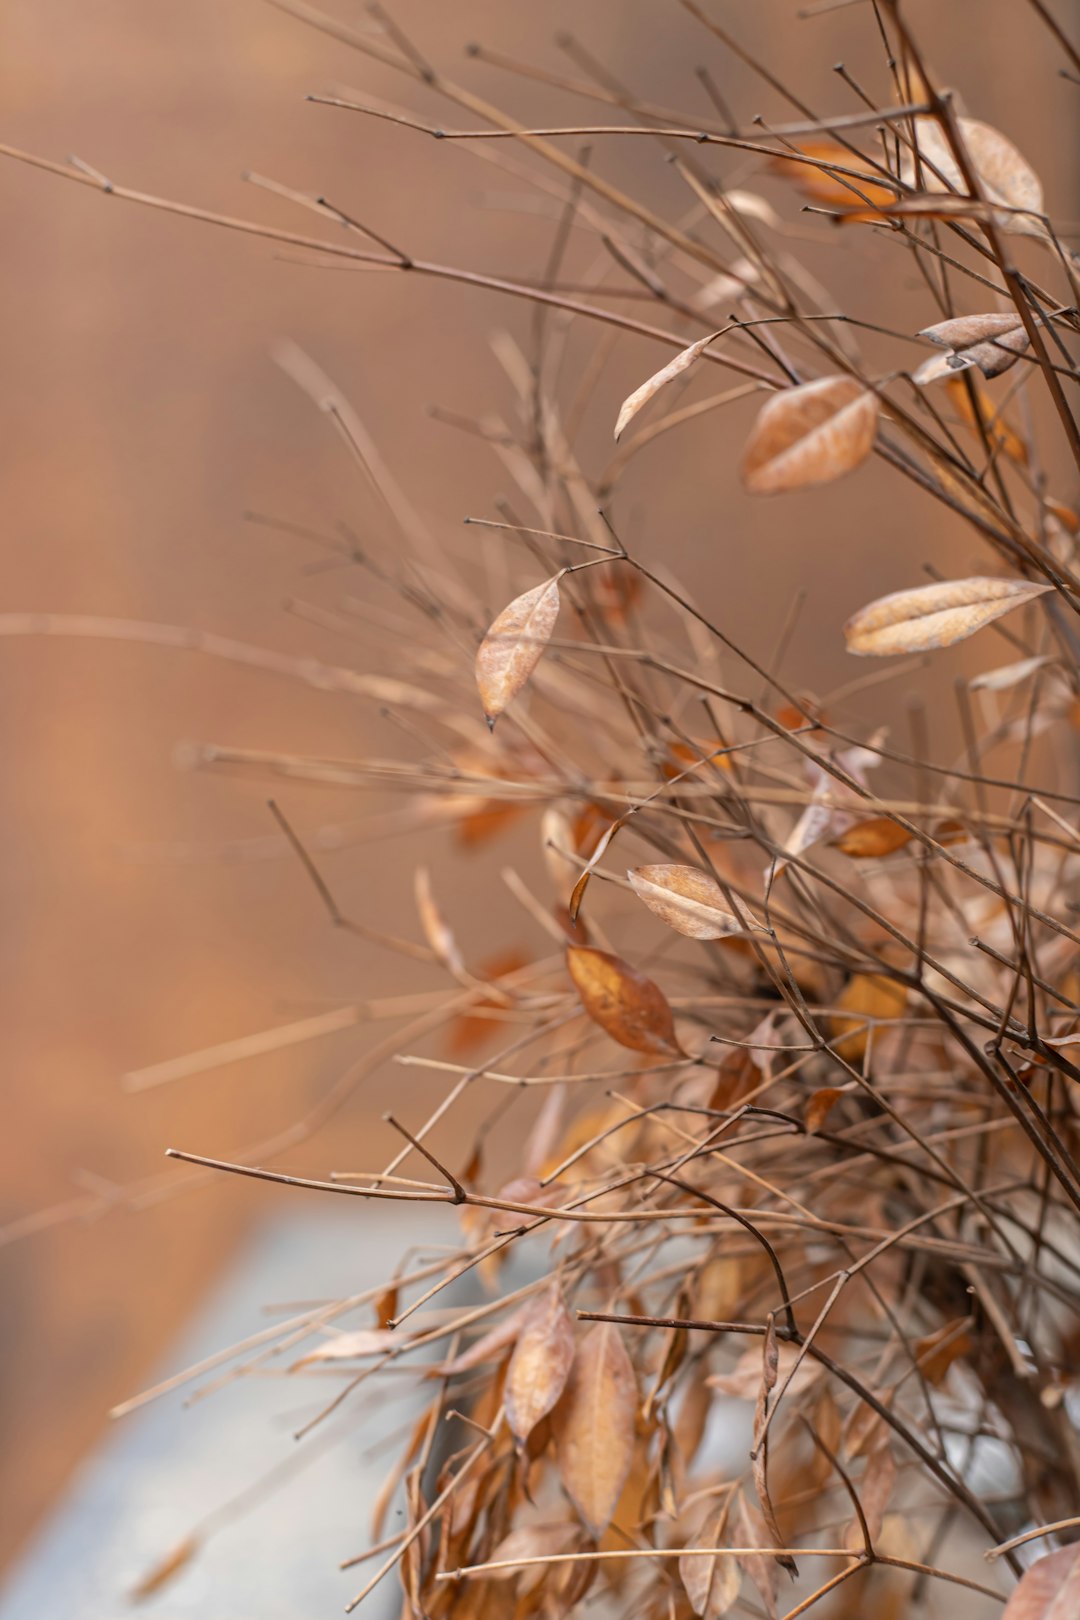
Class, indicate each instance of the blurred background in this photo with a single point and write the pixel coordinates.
(142, 415)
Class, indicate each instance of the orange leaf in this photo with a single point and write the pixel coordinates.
(879, 835)
(998, 430)
(819, 1105)
(628, 1006)
(469, 1030)
(810, 435)
(870, 999)
(831, 190)
(594, 1426)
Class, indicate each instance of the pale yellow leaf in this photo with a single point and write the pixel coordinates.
(810, 435)
(688, 900)
(652, 385)
(513, 646)
(935, 615)
(1006, 177)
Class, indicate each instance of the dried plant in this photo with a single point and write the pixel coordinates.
(795, 1318)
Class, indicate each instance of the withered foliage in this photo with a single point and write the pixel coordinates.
(792, 1322)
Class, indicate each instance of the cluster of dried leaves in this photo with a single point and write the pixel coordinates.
(794, 1314)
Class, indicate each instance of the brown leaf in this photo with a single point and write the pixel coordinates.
(594, 1426)
(935, 615)
(578, 892)
(870, 998)
(993, 342)
(513, 646)
(628, 1006)
(1049, 1590)
(937, 1351)
(652, 386)
(540, 1364)
(875, 1493)
(711, 1584)
(819, 1105)
(687, 899)
(810, 435)
(1007, 178)
(161, 1573)
(879, 835)
(763, 1571)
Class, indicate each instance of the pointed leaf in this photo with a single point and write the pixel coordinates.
(688, 900)
(513, 646)
(540, 1364)
(652, 386)
(1049, 1590)
(594, 1426)
(810, 435)
(628, 1006)
(934, 615)
(711, 1584)
(437, 931)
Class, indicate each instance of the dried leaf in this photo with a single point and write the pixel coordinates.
(764, 1572)
(470, 1030)
(540, 1364)
(350, 1346)
(935, 615)
(992, 342)
(1007, 178)
(1000, 434)
(871, 999)
(810, 435)
(831, 190)
(652, 386)
(176, 1559)
(578, 892)
(875, 1493)
(437, 931)
(711, 1584)
(628, 1006)
(513, 646)
(688, 900)
(819, 1105)
(594, 1426)
(1008, 675)
(937, 1351)
(532, 1541)
(1049, 1590)
(877, 836)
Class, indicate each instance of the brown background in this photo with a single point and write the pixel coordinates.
(140, 415)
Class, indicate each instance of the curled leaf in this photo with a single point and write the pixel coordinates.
(540, 1364)
(437, 931)
(660, 379)
(513, 646)
(625, 1003)
(595, 1426)
(810, 435)
(935, 615)
(688, 900)
(993, 342)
